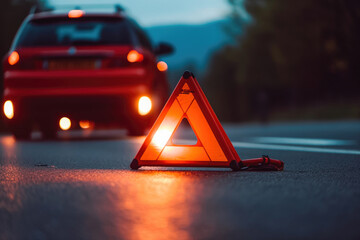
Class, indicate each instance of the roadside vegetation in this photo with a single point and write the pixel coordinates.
(12, 13)
(294, 59)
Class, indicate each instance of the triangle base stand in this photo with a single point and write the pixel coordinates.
(257, 164)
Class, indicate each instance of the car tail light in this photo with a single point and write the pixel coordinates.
(144, 105)
(13, 58)
(162, 66)
(65, 123)
(8, 109)
(134, 56)
(13, 62)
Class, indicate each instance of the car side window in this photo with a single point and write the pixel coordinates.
(143, 39)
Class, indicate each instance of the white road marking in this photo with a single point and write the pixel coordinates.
(282, 147)
(304, 141)
(294, 148)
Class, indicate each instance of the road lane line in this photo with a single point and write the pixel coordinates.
(294, 148)
(304, 141)
(281, 147)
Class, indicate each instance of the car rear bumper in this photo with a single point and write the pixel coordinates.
(92, 82)
(110, 110)
(109, 97)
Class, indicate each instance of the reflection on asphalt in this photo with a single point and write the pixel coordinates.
(47, 202)
(83, 189)
(147, 205)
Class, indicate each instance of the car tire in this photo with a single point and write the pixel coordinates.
(48, 134)
(135, 132)
(48, 131)
(160, 93)
(21, 133)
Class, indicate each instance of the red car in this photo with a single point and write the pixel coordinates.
(80, 70)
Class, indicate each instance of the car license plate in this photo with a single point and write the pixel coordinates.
(71, 64)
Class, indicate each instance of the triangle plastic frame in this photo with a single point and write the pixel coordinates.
(213, 149)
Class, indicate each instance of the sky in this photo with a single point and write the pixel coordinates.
(164, 12)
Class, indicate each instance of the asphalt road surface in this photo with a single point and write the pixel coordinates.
(80, 187)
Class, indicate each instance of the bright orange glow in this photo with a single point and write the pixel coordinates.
(144, 105)
(8, 141)
(186, 106)
(184, 153)
(161, 137)
(150, 205)
(75, 13)
(65, 123)
(84, 124)
(13, 58)
(134, 56)
(9, 109)
(162, 66)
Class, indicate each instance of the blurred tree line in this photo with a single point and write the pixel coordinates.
(12, 13)
(291, 54)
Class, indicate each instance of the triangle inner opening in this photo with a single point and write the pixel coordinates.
(184, 134)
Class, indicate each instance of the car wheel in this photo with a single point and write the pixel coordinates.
(48, 131)
(48, 134)
(160, 94)
(22, 133)
(134, 132)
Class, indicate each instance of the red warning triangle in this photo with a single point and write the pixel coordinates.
(213, 147)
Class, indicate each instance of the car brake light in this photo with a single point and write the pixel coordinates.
(13, 58)
(144, 105)
(8, 109)
(162, 66)
(75, 13)
(135, 56)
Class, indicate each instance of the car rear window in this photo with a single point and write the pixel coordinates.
(67, 32)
